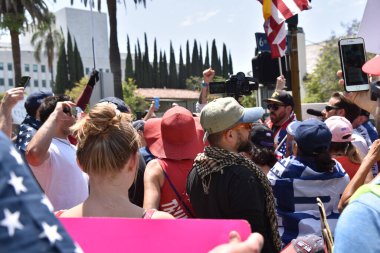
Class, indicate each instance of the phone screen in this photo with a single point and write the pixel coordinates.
(24, 81)
(353, 59)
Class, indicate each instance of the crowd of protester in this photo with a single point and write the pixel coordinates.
(222, 162)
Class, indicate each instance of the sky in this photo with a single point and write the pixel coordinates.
(233, 22)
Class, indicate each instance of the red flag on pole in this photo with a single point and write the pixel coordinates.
(275, 13)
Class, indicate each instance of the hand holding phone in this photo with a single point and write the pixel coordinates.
(156, 102)
(352, 58)
(24, 81)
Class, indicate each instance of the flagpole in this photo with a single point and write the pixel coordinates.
(295, 73)
(279, 65)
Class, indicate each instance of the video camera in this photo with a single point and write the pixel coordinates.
(236, 86)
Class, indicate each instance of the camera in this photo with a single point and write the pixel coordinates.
(375, 90)
(235, 86)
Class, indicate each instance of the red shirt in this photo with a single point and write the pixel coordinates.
(177, 171)
(350, 167)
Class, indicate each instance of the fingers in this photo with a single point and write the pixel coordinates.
(234, 237)
(255, 242)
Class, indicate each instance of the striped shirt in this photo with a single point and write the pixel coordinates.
(296, 186)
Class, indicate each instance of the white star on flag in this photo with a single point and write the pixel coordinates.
(47, 203)
(16, 155)
(17, 184)
(50, 232)
(11, 221)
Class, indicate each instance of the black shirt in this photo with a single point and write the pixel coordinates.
(234, 194)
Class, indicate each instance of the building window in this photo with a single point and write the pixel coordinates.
(10, 67)
(1, 81)
(35, 83)
(43, 68)
(1, 66)
(43, 83)
(107, 70)
(87, 71)
(10, 81)
(26, 67)
(35, 67)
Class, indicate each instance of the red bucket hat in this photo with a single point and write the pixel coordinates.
(177, 135)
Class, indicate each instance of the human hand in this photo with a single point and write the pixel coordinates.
(62, 112)
(208, 75)
(253, 244)
(94, 78)
(374, 151)
(280, 83)
(12, 97)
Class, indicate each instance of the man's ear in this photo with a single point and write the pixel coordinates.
(288, 109)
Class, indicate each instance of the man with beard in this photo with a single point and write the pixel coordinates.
(280, 107)
(224, 184)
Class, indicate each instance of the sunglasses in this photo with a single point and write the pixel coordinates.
(330, 107)
(273, 107)
(247, 126)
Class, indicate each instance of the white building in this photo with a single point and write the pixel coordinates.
(78, 22)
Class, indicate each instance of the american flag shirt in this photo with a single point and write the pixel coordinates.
(27, 223)
(28, 129)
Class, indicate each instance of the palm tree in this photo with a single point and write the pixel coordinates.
(46, 39)
(114, 55)
(13, 16)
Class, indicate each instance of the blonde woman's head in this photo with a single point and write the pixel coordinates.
(106, 140)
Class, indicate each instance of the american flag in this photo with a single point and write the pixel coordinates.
(27, 223)
(275, 13)
(28, 129)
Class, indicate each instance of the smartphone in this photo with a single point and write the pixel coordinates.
(352, 58)
(24, 81)
(156, 102)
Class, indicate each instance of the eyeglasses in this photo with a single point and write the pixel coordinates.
(331, 107)
(247, 126)
(274, 107)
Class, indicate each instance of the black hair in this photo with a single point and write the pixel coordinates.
(263, 156)
(49, 104)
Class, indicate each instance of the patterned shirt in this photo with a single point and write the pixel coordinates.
(296, 185)
(28, 129)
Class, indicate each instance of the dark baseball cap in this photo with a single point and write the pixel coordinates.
(281, 97)
(34, 100)
(262, 136)
(120, 104)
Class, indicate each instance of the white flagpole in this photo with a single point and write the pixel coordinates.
(92, 32)
(280, 65)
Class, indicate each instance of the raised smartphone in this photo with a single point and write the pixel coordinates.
(24, 81)
(352, 58)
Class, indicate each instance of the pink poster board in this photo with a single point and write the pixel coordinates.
(139, 235)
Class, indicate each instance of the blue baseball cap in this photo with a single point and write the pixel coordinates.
(312, 137)
(34, 100)
(120, 104)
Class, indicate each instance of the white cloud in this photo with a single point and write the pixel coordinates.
(199, 17)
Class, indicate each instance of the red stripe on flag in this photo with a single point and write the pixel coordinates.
(303, 4)
(282, 8)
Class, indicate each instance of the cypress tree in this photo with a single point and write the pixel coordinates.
(225, 62)
(188, 63)
(214, 57)
(200, 61)
(61, 79)
(194, 60)
(181, 72)
(155, 76)
(128, 63)
(71, 61)
(230, 69)
(219, 69)
(146, 76)
(161, 72)
(137, 67)
(173, 78)
(165, 70)
(140, 71)
(78, 63)
(207, 59)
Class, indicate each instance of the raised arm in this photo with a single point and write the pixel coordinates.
(153, 180)
(10, 99)
(360, 177)
(37, 150)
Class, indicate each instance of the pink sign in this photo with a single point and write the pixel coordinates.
(139, 235)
